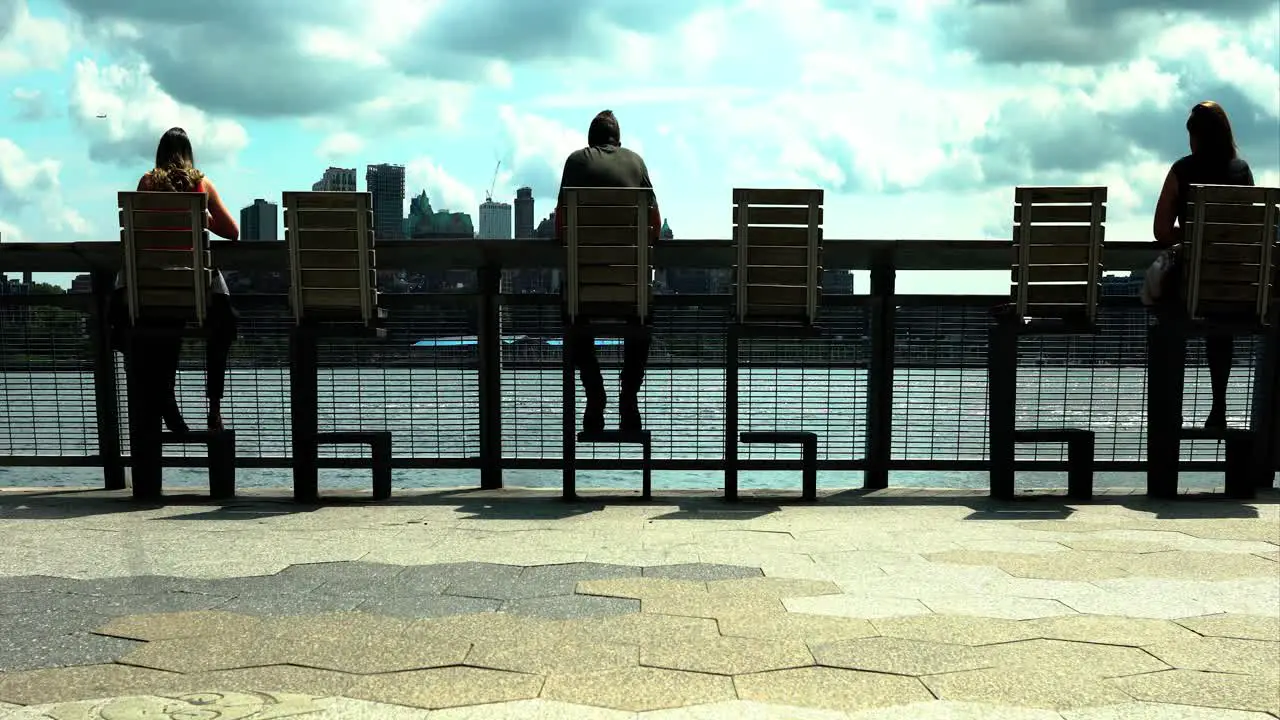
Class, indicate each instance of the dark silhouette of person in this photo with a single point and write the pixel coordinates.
(605, 163)
(157, 357)
(1214, 160)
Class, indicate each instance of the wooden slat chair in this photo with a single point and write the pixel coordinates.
(608, 251)
(333, 292)
(777, 237)
(332, 265)
(166, 260)
(1055, 284)
(166, 270)
(1228, 274)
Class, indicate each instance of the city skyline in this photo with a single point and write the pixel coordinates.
(917, 118)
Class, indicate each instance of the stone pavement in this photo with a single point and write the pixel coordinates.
(892, 605)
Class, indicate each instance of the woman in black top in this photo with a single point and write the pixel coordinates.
(1213, 161)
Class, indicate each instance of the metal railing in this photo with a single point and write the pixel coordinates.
(895, 382)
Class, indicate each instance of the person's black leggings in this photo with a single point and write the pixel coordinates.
(156, 357)
(635, 358)
(1219, 351)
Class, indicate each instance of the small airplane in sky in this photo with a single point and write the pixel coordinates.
(102, 116)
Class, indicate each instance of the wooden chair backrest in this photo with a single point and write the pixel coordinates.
(165, 258)
(1057, 238)
(332, 266)
(1231, 237)
(777, 235)
(608, 241)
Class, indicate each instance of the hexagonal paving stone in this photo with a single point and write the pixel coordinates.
(446, 687)
(955, 629)
(566, 607)
(1224, 655)
(530, 710)
(219, 652)
(268, 604)
(1245, 627)
(955, 710)
(35, 687)
(193, 705)
(1110, 630)
(1097, 544)
(421, 580)
(725, 655)
(280, 678)
(899, 657)
(1220, 690)
(772, 588)
(1067, 565)
(856, 606)
(701, 571)
(707, 605)
(565, 577)
(638, 689)
(549, 654)
(427, 606)
(997, 606)
(635, 628)
(1071, 658)
(167, 626)
(1160, 711)
(35, 583)
(361, 653)
(1199, 565)
(795, 626)
(831, 688)
(484, 627)
(61, 651)
(743, 710)
(1026, 686)
(641, 588)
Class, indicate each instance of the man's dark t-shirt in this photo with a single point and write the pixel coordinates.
(602, 166)
(1193, 170)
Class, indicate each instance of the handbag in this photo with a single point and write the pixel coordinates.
(1161, 282)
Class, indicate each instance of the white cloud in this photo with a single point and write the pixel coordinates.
(445, 191)
(29, 183)
(10, 232)
(32, 105)
(30, 43)
(138, 112)
(340, 145)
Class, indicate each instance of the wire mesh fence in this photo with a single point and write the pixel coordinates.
(422, 383)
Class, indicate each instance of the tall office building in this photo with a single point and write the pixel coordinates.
(337, 179)
(524, 213)
(495, 221)
(386, 183)
(259, 221)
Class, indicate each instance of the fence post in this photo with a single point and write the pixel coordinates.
(105, 396)
(1265, 410)
(882, 327)
(489, 347)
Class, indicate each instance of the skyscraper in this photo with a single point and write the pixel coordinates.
(524, 213)
(495, 221)
(386, 183)
(337, 179)
(259, 221)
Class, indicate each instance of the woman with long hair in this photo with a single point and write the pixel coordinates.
(1214, 160)
(175, 171)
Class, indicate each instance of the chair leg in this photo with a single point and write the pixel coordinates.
(1239, 479)
(1080, 455)
(380, 451)
(222, 466)
(809, 471)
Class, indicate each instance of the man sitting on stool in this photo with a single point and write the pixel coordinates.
(604, 163)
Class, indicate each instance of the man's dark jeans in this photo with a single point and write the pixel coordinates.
(635, 357)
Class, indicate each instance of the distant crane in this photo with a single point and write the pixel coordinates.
(488, 196)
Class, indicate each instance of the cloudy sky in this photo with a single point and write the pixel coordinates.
(917, 116)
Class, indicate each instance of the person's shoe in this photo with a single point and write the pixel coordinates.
(593, 416)
(629, 419)
(1217, 419)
